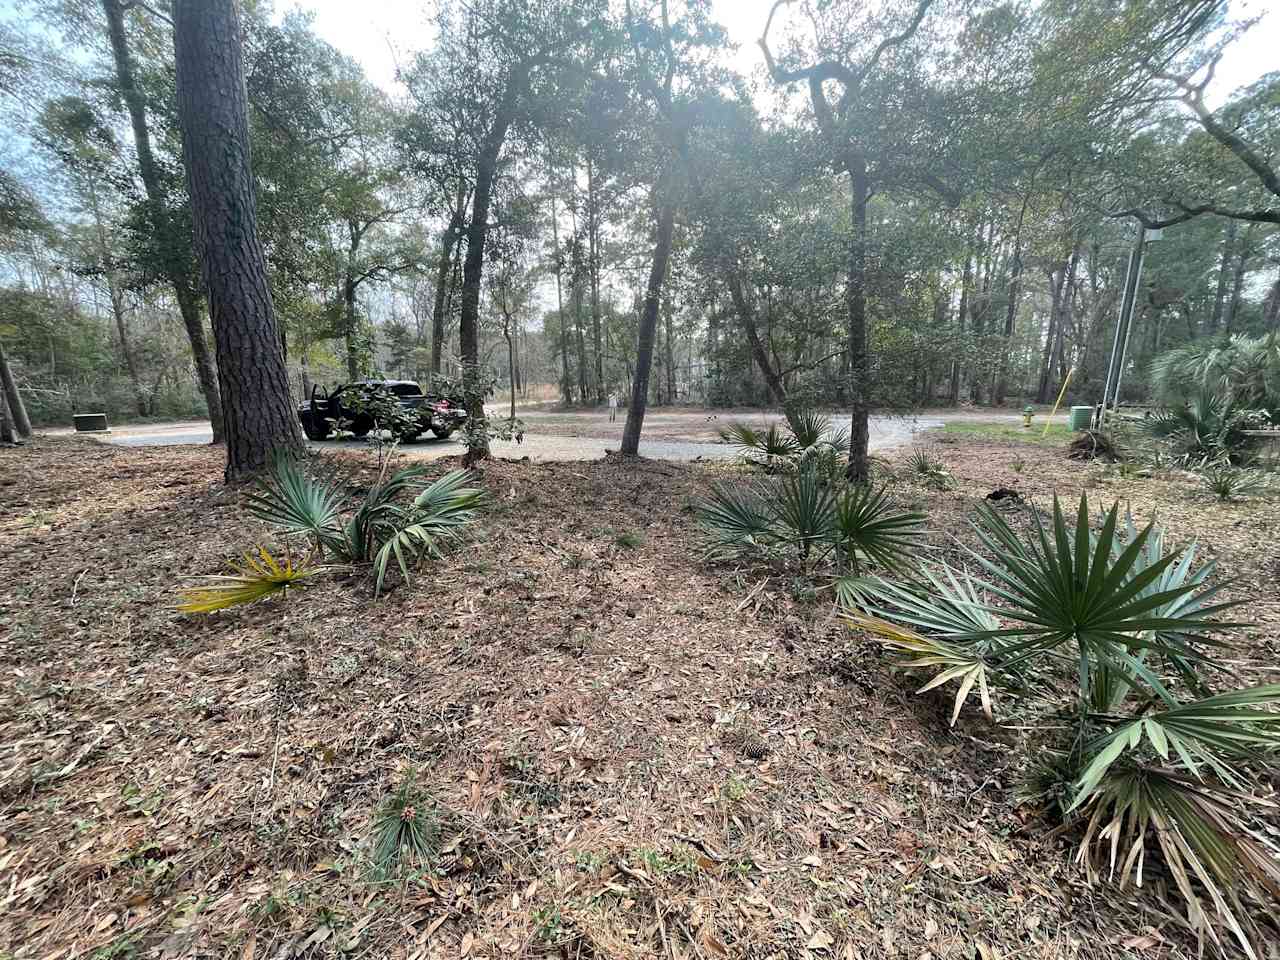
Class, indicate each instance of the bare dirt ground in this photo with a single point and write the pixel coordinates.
(630, 753)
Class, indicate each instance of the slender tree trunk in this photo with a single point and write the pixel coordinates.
(17, 409)
(1224, 269)
(7, 435)
(648, 325)
(578, 335)
(593, 241)
(473, 265)
(859, 469)
(174, 265)
(447, 244)
(116, 296)
(1271, 307)
(350, 322)
(1237, 280)
(213, 111)
(669, 360)
(966, 279)
(1011, 312)
(747, 317)
(566, 389)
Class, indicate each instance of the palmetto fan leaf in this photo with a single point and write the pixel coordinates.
(1070, 586)
(963, 664)
(772, 442)
(1203, 837)
(736, 516)
(297, 503)
(1208, 733)
(805, 506)
(254, 579)
(944, 603)
(808, 427)
(866, 526)
(437, 516)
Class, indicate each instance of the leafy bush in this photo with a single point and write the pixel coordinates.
(1150, 754)
(1207, 425)
(1243, 370)
(380, 529)
(383, 407)
(1227, 482)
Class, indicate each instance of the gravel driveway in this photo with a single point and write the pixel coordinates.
(558, 436)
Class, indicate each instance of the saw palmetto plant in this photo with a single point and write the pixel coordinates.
(1152, 760)
(802, 519)
(382, 528)
(805, 441)
(254, 578)
(400, 521)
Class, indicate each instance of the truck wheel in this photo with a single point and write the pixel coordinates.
(314, 431)
(442, 433)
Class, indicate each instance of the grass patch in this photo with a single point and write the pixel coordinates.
(1012, 432)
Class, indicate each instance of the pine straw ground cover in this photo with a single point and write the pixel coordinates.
(629, 754)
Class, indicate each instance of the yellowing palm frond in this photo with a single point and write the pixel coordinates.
(254, 578)
(965, 664)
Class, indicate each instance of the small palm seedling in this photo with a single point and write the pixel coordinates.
(1227, 482)
(255, 578)
(1152, 760)
(406, 831)
(929, 470)
(629, 540)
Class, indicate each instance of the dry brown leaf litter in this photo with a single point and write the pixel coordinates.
(628, 761)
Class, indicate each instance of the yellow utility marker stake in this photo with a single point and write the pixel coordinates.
(1057, 403)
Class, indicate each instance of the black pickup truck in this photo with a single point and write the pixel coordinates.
(325, 413)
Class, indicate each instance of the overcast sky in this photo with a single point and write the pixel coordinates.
(377, 32)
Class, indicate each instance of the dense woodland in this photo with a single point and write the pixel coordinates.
(903, 205)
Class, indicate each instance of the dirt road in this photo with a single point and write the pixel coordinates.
(683, 435)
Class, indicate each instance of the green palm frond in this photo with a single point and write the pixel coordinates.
(254, 579)
(963, 664)
(804, 506)
(406, 830)
(943, 603)
(736, 516)
(741, 435)
(1203, 836)
(437, 517)
(868, 527)
(808, 427)
(297, 503)
(1070, 586)
(772, 443)
(1207, 734)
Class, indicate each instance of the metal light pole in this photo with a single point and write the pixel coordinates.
(1124, 324)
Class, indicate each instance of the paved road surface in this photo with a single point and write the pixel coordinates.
(584, 436)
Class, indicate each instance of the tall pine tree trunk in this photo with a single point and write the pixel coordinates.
(666, 219)
(213, 111)
(593, 266)
(162, 222)
(1224, 268)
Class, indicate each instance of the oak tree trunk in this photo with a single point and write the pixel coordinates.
(859, 468)
(450, 240)
(213, 113)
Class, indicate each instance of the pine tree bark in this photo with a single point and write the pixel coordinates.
(174, 266)
(566, 389)
(213, 112)
(17, 409)
(646, 335)
(7, 436)
(859, 468)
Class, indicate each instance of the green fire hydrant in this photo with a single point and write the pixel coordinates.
(1027, 413)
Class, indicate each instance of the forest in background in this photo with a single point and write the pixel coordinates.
(999, 147)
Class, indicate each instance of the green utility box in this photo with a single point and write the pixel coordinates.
(1079, 418)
